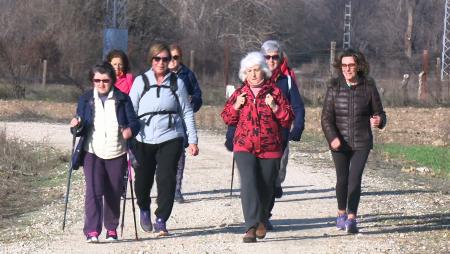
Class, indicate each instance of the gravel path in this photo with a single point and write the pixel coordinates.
(396, 216)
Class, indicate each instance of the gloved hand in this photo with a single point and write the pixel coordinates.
(296, 134)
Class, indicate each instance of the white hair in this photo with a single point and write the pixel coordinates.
(271, 46)
(252, 59)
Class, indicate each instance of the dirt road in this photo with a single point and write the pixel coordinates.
(397, 215)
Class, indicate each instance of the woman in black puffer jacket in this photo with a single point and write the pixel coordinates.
(352, 106)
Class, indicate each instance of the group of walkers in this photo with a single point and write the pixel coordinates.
(151, 118)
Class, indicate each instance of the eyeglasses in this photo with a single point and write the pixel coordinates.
(176, 58)
(105, 81)
(274, 57)
(158, 59)
(351, 66)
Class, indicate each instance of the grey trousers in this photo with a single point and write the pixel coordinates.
(257, 181)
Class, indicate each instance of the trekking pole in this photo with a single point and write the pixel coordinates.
(132, 203)
(69, 176)
(124, 201)
(232, 178)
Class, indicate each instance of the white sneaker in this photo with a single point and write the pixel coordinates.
(92, 239)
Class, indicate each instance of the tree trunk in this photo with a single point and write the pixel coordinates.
(409, 29)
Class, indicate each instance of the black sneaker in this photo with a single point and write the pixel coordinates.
(278, 192)
(111, 235)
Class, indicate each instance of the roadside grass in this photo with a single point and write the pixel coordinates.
(51, 93)
(30, 177)
(433, 157)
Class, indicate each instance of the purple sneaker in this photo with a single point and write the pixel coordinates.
(145, 221)
(160, 227)
(340, 221)
(351, 226)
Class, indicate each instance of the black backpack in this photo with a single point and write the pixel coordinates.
(173, 88)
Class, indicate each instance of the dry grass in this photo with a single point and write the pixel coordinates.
(27, 176)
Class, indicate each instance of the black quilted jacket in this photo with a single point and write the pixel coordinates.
(347, 110)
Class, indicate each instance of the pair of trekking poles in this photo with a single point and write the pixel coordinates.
(127, 179)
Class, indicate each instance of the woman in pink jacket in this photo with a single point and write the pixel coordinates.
(119, 60)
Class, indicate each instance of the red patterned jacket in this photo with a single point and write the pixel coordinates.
(258, 129)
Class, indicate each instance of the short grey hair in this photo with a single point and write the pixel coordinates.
(252, 59)
(271, 46)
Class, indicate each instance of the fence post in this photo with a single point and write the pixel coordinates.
(191, 60)
(44, 72)
(439, 93)
(332, 57)
(404, 87)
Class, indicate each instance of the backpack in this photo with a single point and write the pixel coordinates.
(173, 88)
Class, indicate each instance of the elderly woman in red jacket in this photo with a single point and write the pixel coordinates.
(259, 111)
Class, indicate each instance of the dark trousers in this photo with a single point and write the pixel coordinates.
(257, 182)
(104, 186)
(180, 170)
(349, 169)
(161, 159)
(283, 167)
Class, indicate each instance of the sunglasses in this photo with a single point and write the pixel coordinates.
(176, 58)
(274, 57)
(351, 66)
(158, 59)
(106, 81)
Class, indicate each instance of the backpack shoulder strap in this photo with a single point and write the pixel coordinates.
(146, 84)
(173, 83)
(289, 82)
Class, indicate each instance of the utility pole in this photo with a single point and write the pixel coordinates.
(347, 24)
(445, 66)
(115, 34)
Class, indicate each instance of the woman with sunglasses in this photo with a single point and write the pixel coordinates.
(195, 95)
(351, 108)
(106, 120)
(259, 111)
(275, 59)
(119, 61)
(166, 115)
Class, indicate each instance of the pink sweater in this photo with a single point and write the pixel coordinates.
(124, 83)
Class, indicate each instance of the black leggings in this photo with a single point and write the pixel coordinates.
(162, 159)
(349, 169)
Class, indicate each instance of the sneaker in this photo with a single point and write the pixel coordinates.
(351, 226)
(160, 227)
(278, 192)
(92, 237)
(179, 197)
(340, 221)
(111, 235)
(250, 236)
(145, 221)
